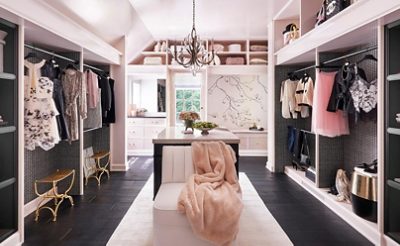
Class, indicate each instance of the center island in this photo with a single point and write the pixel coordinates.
(175, 136)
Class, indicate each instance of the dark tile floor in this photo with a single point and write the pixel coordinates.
(96, 214)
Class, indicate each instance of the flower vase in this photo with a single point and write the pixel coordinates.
(188, 125)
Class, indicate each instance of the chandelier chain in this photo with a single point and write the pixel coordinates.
(194, 14)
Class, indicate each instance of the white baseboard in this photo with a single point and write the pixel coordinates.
(118, 168)
(254, 153)
(12, 240)
(31, 206)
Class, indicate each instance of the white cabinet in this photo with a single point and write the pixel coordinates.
(140, 133)
(252, 143)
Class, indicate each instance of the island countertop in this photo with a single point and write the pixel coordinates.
(175, 135)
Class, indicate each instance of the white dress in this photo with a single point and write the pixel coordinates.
(40, 111)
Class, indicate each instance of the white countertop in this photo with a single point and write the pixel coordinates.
(175, 135)
(249, 131)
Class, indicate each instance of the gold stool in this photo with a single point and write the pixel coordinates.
(100, 170)
(53, 179)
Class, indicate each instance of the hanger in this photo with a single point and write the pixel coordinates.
(305, 77)
(292, 76)
(71, 66)
(368, 57)
(31, 55)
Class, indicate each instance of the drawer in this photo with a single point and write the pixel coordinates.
(135, 121)
(155, 121)
(152, 131)
(135, 131)
(258, 142)
(135, 144)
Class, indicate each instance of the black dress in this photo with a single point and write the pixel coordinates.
(111, 113)
(53, 72)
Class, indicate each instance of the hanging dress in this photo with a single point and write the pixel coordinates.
(40, 123)
(364, 93)
(288, 99)
(325, 123)
(304, 96)
(74, 88)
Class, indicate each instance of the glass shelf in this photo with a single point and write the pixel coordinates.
(394, 131)
(8, 76)
(7, 129)
(393, 184)
(393, 77)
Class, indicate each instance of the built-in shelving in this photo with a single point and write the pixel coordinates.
(342, 209)
(7, 76)
(393, 77)
(347, 31)
(7, 129)
(244, 52)
(394, 184)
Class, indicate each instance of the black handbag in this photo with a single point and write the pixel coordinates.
(305, 152)
(333, 7)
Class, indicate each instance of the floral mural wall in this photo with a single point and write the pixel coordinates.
(237, 101)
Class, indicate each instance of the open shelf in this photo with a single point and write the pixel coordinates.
(153, 53)
(394, 131)
(393, 184)
(347, 32)
(8, 76)
(393, 77)
(343, 210)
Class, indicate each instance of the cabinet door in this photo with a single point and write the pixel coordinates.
(152, 131)
(258, 142)
(135, 131)
(244, 143)
(135, 144)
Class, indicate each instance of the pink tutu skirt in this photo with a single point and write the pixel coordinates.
(326, 123)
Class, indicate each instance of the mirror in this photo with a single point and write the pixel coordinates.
(146, 93)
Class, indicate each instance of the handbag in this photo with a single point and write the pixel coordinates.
(321, 15)
(290, 33)
(305, 156)
(333, 7)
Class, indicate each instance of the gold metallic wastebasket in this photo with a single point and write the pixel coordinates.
(364, 195)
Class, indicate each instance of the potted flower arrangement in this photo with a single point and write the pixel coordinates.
(188, 117)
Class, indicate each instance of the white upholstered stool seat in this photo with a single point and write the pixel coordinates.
(172, 228)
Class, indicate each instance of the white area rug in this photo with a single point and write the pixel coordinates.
(257, 225)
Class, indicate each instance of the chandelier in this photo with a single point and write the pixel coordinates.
(193, 53)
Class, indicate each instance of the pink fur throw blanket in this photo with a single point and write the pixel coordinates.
(212, 197)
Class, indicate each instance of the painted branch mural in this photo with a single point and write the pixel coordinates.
(237, 101)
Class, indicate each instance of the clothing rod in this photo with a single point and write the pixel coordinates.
(350, 55)
(50, 53)
(338, 58)
(303, 69)
(94, 68)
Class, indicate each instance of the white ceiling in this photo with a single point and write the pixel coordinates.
(227, 19)
(110, 20)
(142, 21)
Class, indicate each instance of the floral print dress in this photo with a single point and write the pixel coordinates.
(40, 111)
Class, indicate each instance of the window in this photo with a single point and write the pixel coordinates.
(188, 93)
(187, 99)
